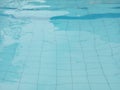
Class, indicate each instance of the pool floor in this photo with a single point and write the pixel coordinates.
(59, 45)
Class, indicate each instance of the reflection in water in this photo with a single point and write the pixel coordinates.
(10, 33)
(112, 29)
(76, 17)
(10, 27)
(87, 17)
(116, 8)
(7, 55)
(34, 3)
(7, 15)
(12, 3)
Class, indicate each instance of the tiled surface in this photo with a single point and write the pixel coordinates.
(58, 47)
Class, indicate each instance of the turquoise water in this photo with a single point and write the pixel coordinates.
(59, 45)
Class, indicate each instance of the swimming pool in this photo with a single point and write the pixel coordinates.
(59, 45)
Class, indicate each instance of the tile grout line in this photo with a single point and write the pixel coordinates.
(20, 81)
(99, 60)
(40, 61)
(85, 63)
(56, 87)
(111, 49)
(70, 58)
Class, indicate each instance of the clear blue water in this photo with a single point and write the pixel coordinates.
(60, 45)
